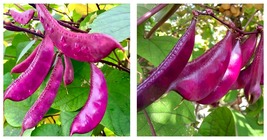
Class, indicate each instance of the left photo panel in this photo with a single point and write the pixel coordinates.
(66, 69)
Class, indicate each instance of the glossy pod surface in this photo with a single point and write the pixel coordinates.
(68, 76)
(94, 109)
(202, 75)
(252, 89)
(228, 79)
(46, 98)
(24, 17)
(248, 48)
(159, 81)
(30, 80)
(22, 66)
(90, 47)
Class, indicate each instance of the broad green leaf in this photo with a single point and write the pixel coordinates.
(21, 37)
(74, 96)
(47, 130)
(114, 22)
(66, 119)
(243, 128)
(169, 115)
(219, 122)
(25, 49)
(155, 49)
(117, 116)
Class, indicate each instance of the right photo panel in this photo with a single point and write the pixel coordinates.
(200, 69)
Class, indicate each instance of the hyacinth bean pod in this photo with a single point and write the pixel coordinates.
(22, 66)
(159, 81)
(252, 88)
(68, 71)
(22, 18)
(242, 79)
(202, 75)
(94, 109)
(229, 77)
(248, 48)
(79, 46)
(29, 81)
(46, 98)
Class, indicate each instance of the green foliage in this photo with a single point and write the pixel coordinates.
(71, 98)
(115, 22)
(219, 122)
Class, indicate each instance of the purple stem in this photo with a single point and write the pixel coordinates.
(150, 13)
(153, 132)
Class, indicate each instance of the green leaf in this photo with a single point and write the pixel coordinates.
(243, 128)
(75, 95)
(7, 80)
(21, 37)
(155, 49)
(9, 64)
(76, 16)
(143, 8)
(219, 122)
(25, 49)
(47, 130)
(117, 116)
(256, 108)
(169, 115)
(11, 131)
(66, 119)
(158, 16)
(231, 96)
(14, 112)
(114, 22)
(86, 22)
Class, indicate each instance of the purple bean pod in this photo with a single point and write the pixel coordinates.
(248, 48)
(94, 109)
(46, 98)
(229, 77)
(22, 18)
(79, 46)
(242, 79)
(202, 75)
(160, 80)
(68, 71)
(22, 66)
(252, 88)
(29, 81)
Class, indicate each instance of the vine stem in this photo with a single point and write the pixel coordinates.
(226, 24)
(152, 129)
(163, 19)
(250, 19)
(118, 66)
(150, 13)
(20, 7)
(12, 27)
